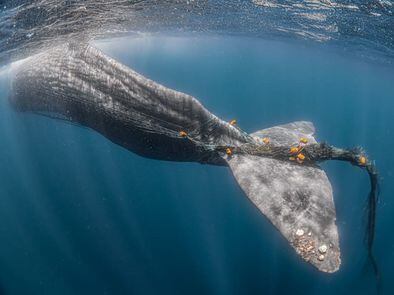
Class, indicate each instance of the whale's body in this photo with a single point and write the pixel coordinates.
(83, 85)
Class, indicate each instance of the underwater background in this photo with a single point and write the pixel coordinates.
(81, 215)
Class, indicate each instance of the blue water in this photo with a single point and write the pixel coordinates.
(80, 215)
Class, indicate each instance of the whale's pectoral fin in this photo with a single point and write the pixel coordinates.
(297, 199)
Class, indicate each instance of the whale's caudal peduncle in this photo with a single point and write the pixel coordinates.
(276, 167)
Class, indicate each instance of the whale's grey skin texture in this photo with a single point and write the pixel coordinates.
(83, 85)
(296, 198)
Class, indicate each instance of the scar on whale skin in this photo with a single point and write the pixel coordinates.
(81, 84)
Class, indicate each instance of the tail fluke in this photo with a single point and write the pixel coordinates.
(297, 199)
(279, 173)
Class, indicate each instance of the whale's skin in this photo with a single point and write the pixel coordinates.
(81, 84)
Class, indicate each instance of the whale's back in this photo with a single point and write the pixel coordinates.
(83, 85)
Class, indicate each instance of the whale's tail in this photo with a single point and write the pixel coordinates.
(297, 199)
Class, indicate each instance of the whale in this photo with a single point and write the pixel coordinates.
(277, 167)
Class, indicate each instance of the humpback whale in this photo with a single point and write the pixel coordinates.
(276, 167)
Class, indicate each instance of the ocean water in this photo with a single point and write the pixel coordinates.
(81, 215)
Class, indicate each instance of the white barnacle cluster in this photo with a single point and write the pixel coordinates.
(306, 247)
